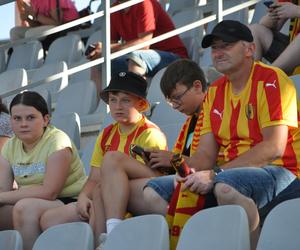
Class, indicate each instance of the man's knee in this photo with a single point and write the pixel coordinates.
(225, 194)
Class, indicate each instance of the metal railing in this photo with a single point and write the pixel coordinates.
(106, 53)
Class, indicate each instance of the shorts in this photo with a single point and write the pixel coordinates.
(262, 185)
(164, 186)
(278, 45)
(67, 200)
(292, 191)
(151, 60)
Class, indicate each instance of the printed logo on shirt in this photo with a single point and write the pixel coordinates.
(218, 113)
(273, 84)
(29, 169)
(249, 111)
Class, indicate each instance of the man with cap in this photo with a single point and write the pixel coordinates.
(126, 97)
(251, 115)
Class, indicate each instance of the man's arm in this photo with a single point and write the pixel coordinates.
(269, 149)
(206, 154)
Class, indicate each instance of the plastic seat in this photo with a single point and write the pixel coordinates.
(70, 124)
(154, 91)
(2, 60)
(222, 227)
(12, 79)
(79, 97)
(28, 56)
(86, 154)
(164, 114)
(48, 70)
(192, 38)
(69, 236)
(281, 227)
(171, 131)
(67, 48)
(178, 5)
(148, 232)
(11, 240)
(296, 80)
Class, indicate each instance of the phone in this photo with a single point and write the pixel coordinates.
(268, 3)
(89, 49)
(136, 149)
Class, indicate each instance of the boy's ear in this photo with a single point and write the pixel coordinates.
(197, 85)
(141, 105)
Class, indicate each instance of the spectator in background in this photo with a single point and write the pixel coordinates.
(136, 24)
(5, 127)
(281, 50)
(126, 97)
(44, 163)
(39, 16)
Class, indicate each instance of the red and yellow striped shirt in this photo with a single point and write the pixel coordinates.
(268, 99)
(145, 134)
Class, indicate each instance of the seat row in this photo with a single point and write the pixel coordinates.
(223, 227)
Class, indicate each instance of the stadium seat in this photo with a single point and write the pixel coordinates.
(296, 80)
(154, 91)
(192, 38)
(11, 240)
(48, 70)
(27, 56)
(93, 38)
(67, 48)
(164, 114)
(86, 154)
(79, 97)
(2, 60)
(70, 124)
(171, 131)
(12, 79)
(147, 232)
(222, 227)
(281, 227)
(178, 5)
(68, 236)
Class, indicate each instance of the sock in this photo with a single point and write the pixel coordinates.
(111, 223)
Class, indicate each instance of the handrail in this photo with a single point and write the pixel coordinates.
(2, 2)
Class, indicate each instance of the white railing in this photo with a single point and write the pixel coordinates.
(107, 56)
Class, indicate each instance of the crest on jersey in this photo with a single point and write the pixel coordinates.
(249, 111)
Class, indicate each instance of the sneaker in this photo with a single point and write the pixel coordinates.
(102, 239)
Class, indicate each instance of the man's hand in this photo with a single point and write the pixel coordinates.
(84, 205)
(200, 182)
(96, 53)
(159, 158)
(285, 10)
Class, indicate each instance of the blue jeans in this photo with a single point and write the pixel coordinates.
(151, 60)
(163, 185)
(262, 185)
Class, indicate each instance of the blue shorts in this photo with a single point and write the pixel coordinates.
(151, 60)
(262, 185)
(163, 185)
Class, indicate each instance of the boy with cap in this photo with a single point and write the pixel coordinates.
(126, 97)
(251, 114)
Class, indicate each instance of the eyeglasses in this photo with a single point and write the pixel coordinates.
(176, 100)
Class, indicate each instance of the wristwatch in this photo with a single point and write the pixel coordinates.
(30, 17)
(217, 169)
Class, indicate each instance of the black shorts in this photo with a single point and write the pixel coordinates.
(67, 200)
(278, 45)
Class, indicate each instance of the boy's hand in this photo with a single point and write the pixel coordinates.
(159, 158)
(84, 205)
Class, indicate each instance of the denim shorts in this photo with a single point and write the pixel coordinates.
(262, 185)
(151, 60)
(163, 185)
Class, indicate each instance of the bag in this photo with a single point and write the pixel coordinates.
(85, 12)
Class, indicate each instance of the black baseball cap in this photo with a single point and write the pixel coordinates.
(228, 31)
(127, 82)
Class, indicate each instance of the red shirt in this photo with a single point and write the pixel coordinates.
(147, 16)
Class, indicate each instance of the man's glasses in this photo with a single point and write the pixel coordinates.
(176, 100)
